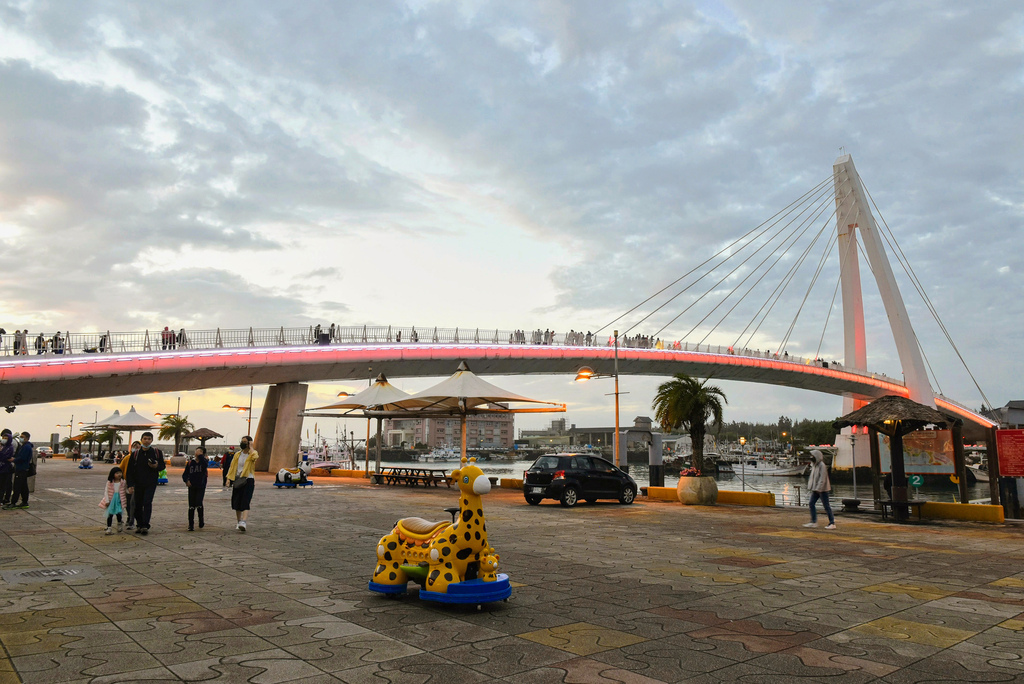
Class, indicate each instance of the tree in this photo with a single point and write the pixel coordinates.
(175, 426)
(112, 436)
(689, 404)
(90, 437)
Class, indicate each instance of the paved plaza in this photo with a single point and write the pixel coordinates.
(603, 593)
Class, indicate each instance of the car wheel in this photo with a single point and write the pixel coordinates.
(627, 495)
(533, 500)
(570, 496)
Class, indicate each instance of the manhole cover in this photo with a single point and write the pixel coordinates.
(50, 574)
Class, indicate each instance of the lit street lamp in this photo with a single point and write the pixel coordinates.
(244, 409)
(587, 373)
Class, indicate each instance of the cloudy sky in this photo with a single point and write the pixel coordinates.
(512, 165)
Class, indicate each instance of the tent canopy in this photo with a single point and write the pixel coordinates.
(203, 434)
(462, 391)
(381, 395)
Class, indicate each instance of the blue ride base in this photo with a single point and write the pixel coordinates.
(471, 591)
(161, 481)
(293, 485)
(85, 467)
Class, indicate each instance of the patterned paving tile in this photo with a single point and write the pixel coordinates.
(581, 638)
(917, 632)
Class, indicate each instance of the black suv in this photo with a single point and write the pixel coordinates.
(572, 477)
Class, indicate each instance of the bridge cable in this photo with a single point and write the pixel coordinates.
(780, 289)
(814, 279)
(712, 288)
(807, 223)
(733, 271)
(818, 188)
(724, 249)
(905, 263)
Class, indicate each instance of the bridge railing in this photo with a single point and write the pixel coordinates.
(234, 338)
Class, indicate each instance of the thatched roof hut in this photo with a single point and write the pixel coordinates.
(892, 414)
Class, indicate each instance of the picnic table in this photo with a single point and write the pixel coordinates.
(412, 477)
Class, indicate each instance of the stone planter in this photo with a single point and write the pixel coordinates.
(699, 491)
(178, 461)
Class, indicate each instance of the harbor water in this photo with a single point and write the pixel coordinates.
(788, 490)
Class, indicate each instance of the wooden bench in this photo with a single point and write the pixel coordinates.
(888, 504)
(412, 477)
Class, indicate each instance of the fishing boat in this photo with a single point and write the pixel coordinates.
(773, 468)
(979, 471)
(441, 455)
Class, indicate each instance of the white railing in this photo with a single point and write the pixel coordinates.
(228, 338)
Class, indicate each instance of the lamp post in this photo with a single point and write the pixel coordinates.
(743, 463)
(244, 409)
(586, 373)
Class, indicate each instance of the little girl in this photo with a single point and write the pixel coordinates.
(114, 500)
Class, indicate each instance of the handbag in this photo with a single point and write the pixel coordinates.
(31, 469)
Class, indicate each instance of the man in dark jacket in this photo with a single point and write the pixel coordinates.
(195, 479)
(141, 478)
(22, 465)
(6, 466)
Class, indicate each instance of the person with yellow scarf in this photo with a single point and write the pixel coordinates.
(242, 480)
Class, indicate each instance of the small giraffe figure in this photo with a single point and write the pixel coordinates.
(450, 550)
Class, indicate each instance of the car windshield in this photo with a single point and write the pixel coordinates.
(545, 463)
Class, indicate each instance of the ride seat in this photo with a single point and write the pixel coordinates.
(418, 528)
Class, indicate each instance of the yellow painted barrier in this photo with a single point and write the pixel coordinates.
(939, 510)
(663, 494)
(337, 472)
(734, 498)
(510, 483)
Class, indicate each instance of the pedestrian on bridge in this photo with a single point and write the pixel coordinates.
(242, 476)
(819, 486)
(141, 478)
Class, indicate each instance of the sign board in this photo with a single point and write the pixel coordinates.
(925, 452)
(1010, 444)
(915, 480)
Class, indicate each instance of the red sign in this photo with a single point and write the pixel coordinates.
(1010, 444)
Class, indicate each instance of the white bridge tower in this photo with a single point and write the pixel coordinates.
(853, 217)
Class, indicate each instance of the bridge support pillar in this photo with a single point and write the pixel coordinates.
(280, 428)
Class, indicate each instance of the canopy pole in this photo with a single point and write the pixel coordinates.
(367, 445)
(380, 421)
(463, 417)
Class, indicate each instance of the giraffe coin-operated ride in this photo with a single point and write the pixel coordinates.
(452, 562)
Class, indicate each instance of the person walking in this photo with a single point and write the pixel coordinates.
(115, 499)
(195, 479)
(141, 476)
(225, 465)
(130, 499)
(243, 481)
(819, 486)
(6, 466)
(22, 471)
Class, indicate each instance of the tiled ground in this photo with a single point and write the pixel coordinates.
(603, 593)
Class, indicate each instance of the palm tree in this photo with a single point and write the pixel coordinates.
(112, 436)
(90, 437)
(175, 426)
(690, 404)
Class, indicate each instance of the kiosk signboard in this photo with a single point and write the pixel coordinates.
(1011, 452)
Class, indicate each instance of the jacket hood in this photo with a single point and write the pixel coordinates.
(818, 456)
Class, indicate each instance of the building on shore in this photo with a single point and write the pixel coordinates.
(491, 431)
(1010, 416)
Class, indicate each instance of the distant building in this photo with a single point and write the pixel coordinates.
(1010, 416)
(490, 431)
(553, 436)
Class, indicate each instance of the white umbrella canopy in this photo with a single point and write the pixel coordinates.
(462, 391)
(381, 395)
(466, 392)
(108, 420)
(132, 420)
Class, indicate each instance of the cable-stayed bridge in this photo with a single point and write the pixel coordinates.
(694, 319)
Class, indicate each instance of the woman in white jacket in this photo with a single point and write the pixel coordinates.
(819, 486)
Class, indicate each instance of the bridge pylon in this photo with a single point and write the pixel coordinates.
(854, 218)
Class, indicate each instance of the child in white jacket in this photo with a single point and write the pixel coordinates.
(115, 499)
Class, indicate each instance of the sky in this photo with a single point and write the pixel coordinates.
(513, 165)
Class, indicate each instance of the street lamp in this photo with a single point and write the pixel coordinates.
(587, 373)
(244, 409)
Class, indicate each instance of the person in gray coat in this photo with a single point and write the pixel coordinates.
(819, 486)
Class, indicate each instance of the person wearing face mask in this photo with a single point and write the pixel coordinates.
(6, 466)
(242, 479)
(141, 477)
